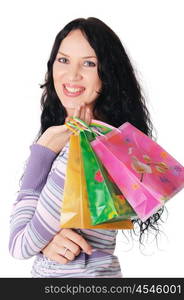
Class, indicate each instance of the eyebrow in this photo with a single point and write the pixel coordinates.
(82, 57)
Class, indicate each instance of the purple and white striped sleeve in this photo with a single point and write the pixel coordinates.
(29, 231)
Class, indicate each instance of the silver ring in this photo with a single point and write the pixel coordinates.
(65, 251)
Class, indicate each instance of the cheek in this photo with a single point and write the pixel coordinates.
(95, 82)
(57, 72)
(57, 79)
(98, 84)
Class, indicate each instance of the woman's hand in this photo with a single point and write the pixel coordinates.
(65, 246)
(56, 137)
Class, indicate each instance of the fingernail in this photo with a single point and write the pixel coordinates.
(89, 252)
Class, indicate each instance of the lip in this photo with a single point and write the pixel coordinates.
(70, 94)
(74, 86)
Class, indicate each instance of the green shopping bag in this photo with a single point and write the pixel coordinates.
(106, 202)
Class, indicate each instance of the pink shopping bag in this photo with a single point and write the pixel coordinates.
(145, 173)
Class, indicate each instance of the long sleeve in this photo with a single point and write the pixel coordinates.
(34, 220)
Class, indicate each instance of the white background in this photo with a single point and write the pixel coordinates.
(152, 33)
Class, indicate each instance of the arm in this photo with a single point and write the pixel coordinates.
(32, 225)
(35, 219)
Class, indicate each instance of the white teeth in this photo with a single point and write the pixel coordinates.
(72, 90)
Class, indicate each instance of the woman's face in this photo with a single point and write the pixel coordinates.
(75, 73)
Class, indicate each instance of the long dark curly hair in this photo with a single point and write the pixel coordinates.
(120, 99)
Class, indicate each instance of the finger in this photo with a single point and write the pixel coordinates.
(67, 130)
(53, 252)
(82, 112)
(88, 116)
(63, 251)
(67, 254)
(60, 259)
(67, 243)
(67, 119)
(78, 239)
(60, 129)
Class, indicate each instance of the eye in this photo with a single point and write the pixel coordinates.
(63, 60)
(89, 63)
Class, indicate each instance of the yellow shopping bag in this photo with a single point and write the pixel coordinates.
(75, 211)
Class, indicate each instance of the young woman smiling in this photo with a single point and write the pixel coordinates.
(89, 76)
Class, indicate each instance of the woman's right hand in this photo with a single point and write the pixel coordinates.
(56, 137)
(65, 246)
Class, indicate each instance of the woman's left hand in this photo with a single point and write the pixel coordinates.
(65, 246)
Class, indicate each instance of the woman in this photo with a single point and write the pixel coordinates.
(89, 76)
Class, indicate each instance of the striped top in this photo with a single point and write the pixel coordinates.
(35, 219)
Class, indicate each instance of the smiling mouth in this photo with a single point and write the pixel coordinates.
(72, 91)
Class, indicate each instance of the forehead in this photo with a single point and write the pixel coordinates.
(76, 43)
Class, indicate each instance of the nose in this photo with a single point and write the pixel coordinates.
(74, 73)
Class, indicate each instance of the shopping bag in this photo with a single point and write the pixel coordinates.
(75, 211)
(146, 174)
(106, 202)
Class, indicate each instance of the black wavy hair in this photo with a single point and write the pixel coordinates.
(120, 99)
